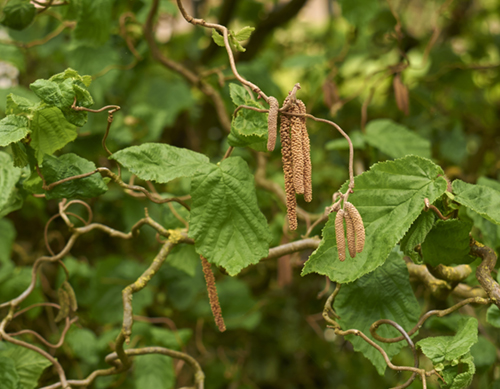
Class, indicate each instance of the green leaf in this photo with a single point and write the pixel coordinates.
(18, 14)
(442, 349)
(18, 105)
(50, 132)
(7, 236)
(389, 197)
(184, 257)
(74, 75)
(69, 165)
(53, 93)
(8, 374)
(160, 162)
(396, 140)
(13, 128)
(226, 223)
(493, 316)
(416, 234)
(29, 364)
(481, 199)
(384, 294)
(244, 33)
(171, 339)
(239, 95)
(19, 154)
(456, 380)
(10, 200)
(359, 12)
(218, 38)
(93, 22)
(357, 139)
(84, 344)
(154, 371)
(484, 352)
(448, 243)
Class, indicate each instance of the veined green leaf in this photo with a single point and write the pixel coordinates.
(29, 364)
(18, 105)
(69, 165)
(218, 38)
(154, 371)
(8, 373)
(244, 33)
(184, 257)
(10, 200)
(50, 132)
(226, 222)
(18, 14)
(389, 197)
(239, 95)
(481, 199)
(13, 128)
(493, 316)
(456, 380)
(416, 234)
(53, 93)
(384, 294)
(442, 349)
(396, 140)
(74, 75)
(447, 243)
(160, 162)
(93, 22)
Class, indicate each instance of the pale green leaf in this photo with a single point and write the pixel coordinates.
(396, 140)
(481, 199)
(13, 128)
(416, 234)
(447, 243)
(357, 139)
(74, 75)
(239, 95)
(19, 154)
(50, 132)
(160, 162)
(68, 165)
(218, 38)
(237, 45)
(29, 364)
(8, 373)
(18, 105)
(384, 294)
(493, 316)
(154, 371)
(441, 349)
(53, 93)
(10, 200)
(184, 257)
(389, 197)
(93, 22)
(456, 380)
(226, 222)
(18, 14)
(244, 33)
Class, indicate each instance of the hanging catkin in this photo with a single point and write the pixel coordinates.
(350, 234)
(286, 156)
(306, 153)
(339, 234)
(272, 123)
(297, 148)
(358, 225)
(212, 294)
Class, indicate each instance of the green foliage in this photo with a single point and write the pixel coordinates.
(12, 129)
(8, 373)
(184, 258)
(417, 234)
(447, 243)
(160, 162)
(226, 223)
(235, 39)
(154, 371)
(386, 217)
(18, 14)
(481, 199)
(93, 20)
(385, 293)
(493, 316)
(10, 200)
(28, 364)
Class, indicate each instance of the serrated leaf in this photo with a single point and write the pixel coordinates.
(389, 197)
(10, 200)
(244, 33)
(8, 374)
(69, 165)
(493, 316)
(52, 93)
(13, 128)
(396, 140)
(184, 257)
(29, 364)
(447, 243)
(18, 105)
(18, 14)
(481, 199)
(74, 75)
(218, 38)
(417, 233)
(93, 22)
(456, 380)
(226, 223)
(160, 162)
(50, 132)
(238, 94)
(154, 371)
(441, 349)
(384, 294)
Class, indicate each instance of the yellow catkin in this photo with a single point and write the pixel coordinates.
(286, 157)
(297, 150)
(339, 234)
(272, 123)
(358, 225)
(306, 153)
(350, 234)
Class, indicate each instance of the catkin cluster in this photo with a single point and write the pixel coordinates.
(355, 231)
(295, 152)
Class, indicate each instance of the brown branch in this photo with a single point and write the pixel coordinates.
(452, 274)
(483, 271)
(292, 247)
(40, 337)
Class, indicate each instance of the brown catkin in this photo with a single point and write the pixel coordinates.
(272, 123)
(339, 234)
(286, 157)
(64, 304)
(358, 225)
(71, 294)
(297, 150)
(350, 234)
(306, 153)
(212, 294)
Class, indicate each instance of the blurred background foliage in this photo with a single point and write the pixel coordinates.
(346, 55)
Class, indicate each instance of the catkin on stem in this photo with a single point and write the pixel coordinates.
(339, 234)
(358, 225)
(272, 123)
(297, 149)
(212, 294)
(306, 152)
(286, 156)
(350, 234)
